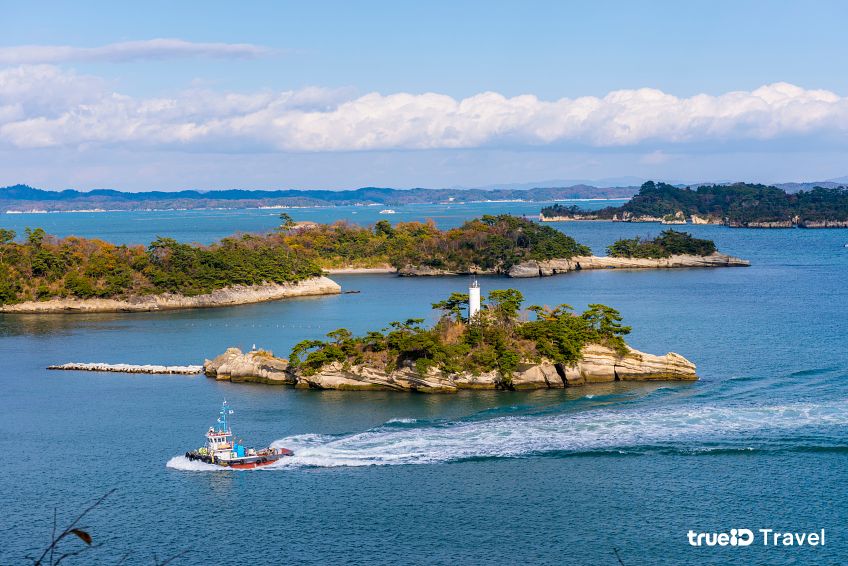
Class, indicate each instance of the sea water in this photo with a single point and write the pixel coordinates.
(552, 477)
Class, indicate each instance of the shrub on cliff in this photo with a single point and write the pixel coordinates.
(496, 339)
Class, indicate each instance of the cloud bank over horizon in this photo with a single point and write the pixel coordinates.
(128, 51)
(44, 106)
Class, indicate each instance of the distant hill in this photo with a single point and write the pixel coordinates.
(24, 198)
(594, 183)
(795, 187)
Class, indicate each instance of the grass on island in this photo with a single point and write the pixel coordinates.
(667, 244)
(498, 338)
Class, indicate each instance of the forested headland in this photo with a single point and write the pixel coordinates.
(737, 205)
(41, 267)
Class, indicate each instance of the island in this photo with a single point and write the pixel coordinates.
(739, 205)
(44, 274)
(496, 346)
(491, 245)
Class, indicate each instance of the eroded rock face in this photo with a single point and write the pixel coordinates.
(428, 271)
(423, 271)
(555, 266)
(256, 366)
(706, 219)
(599, 364)
(525, 269)
(676, 218)
(603, 365)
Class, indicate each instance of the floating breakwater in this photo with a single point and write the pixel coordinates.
(129, 368)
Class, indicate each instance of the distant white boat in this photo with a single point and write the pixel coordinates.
(387, 211)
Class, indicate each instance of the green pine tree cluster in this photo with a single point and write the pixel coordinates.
(42, 267)
(489, 243)
(498, 338)
(739, 204)
(667, 244)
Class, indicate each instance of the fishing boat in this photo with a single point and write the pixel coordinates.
(222, 450)
(388, 211)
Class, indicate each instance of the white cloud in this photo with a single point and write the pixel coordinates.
(127, 51)
(43, 106)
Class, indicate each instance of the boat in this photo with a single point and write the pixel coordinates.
(388, 211)
(222, 450)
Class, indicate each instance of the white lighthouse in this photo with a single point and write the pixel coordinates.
(473, 299)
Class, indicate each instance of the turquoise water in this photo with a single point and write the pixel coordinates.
(551, 477)
(206, 226)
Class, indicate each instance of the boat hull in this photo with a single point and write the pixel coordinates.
(243, 463)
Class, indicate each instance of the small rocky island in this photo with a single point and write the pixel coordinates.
(491, 348)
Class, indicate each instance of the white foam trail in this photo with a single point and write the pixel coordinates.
(128, 368)
(183, 463)
(604, 429)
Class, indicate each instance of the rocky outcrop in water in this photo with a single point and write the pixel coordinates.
(229, 296)
(680, 218)
(427, 271)
(546, 268)
(764, 224)
(695, 219)
(598, 365)
(676, 218)
(256, 366)
(555, 266)
(823, 224)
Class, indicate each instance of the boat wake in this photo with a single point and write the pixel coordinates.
(609, 430)
(684, 430)
(183, 463)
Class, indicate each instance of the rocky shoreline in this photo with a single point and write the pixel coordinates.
(680, 218)
(229, 296)
(598, 364)
(386, 268)
(556, 266)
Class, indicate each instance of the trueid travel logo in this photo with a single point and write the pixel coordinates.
(746, 537)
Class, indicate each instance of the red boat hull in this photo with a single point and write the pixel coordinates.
(251, 463)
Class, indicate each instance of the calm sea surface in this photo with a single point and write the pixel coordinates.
(548, 477)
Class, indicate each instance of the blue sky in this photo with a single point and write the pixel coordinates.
(343, 94)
